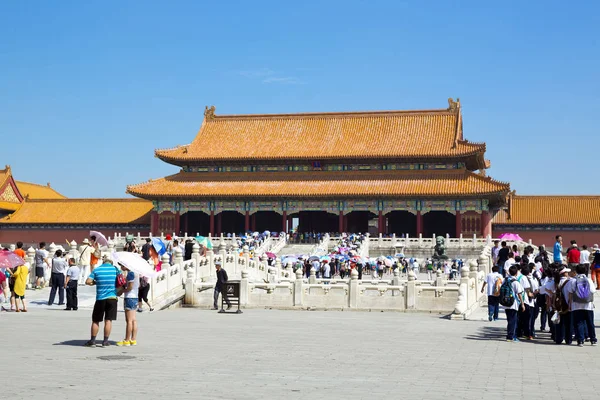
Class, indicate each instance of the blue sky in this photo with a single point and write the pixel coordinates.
(89, 89)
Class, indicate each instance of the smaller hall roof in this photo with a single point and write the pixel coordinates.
(81, 211)
(34, 191)
(551, 210)
(322, 184)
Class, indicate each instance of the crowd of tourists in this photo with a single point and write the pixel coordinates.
(558, 292)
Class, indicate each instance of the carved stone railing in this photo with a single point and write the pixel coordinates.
(312, 293)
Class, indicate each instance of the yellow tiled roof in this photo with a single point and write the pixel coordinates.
(553, 210)
(455, 183)
(35, 191)
(4, 175)
(432, 134)
(81, 211)
(8, 206)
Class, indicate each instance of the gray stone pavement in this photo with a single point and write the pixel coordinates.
(270, 354)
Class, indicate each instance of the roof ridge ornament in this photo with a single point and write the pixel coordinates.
(453, 106)
(209, 113)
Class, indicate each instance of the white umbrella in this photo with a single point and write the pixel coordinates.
(100, 238)
(134, 262)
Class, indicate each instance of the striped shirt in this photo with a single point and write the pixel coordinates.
(105, 276)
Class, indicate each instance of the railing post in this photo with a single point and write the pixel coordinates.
(298, 291)
(353, 289)
(411, 291)
(244, 289)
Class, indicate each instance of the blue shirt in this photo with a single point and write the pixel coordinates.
(105, 276)
(557, 252)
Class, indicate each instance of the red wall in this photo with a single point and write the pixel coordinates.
(548, 237)
(57, 236)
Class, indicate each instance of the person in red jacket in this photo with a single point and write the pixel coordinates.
(573, 255)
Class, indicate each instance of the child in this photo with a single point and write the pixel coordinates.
(20, 276)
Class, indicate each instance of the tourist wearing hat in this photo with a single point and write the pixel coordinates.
(105, 308)
(221, 280)
(563, 331)
(85, 260)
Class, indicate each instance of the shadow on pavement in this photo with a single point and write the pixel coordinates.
(498, 333)
(488, 333)
(76, 343)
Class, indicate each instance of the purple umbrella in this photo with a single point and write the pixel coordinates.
(510, 236)
(9, 259)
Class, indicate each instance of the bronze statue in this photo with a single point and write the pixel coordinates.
(439, 251)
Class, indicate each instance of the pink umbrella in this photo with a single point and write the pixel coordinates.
(271, 255)
(100, 238)
(9, 259)
(510, 236)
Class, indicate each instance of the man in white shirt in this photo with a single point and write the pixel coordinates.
(584, 256)
(511, 312)
(525, 313)
(415, 267)
(326, 270)
(535, 290)
(581, 299)
(511, 261)
(563, 330)
(493, 281)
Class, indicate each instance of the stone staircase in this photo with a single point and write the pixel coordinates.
(296, 249)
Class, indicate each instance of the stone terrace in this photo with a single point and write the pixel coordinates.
(192, 354)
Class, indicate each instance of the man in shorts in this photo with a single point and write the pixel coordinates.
(105, 308)
(42, 262)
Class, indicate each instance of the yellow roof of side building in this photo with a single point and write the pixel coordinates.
(34, 191)
(551, 210)
(81, 211)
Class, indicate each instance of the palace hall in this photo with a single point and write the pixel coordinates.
(402, 172)
(382, 172)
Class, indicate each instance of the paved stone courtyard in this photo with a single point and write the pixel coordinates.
(190, 353)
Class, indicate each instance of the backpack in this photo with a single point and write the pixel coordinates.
(582, 293)
(507, 295)
(560, 304)
(497, 286)
(120, 281)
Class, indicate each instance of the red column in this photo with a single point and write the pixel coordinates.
(345, 223)
(380, 226)
(247, 221)
(212, 223)
(458, 223)
(154, 223)
(419, 223)
(341, 222)
(284, 222)
(219, 219)
(177, 223)
(486, 223)
(185, 222)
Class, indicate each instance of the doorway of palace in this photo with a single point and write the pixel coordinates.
(402, 223)
(358, 221)
(195, 222)
(440, 223)
(268, 221)
(231, 222)
(317, 221)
